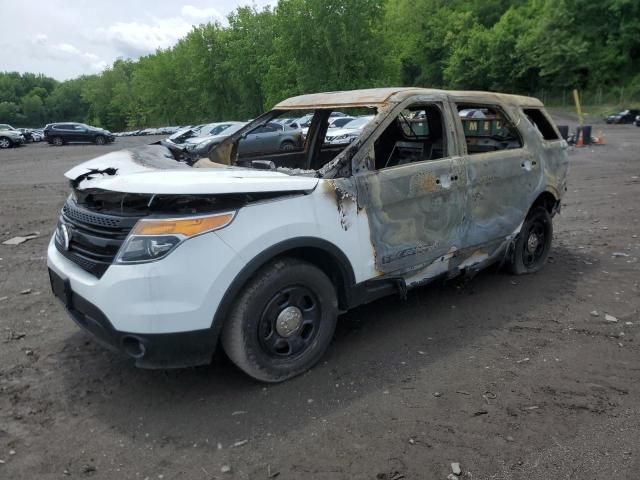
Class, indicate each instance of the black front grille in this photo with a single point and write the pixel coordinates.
(95, 238)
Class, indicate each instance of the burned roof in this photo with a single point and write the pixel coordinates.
(381, 96)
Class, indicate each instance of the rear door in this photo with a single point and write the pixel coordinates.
(503, 174)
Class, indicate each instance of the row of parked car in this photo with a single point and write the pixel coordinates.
(55, 134)
(13, 137)
(282, 134)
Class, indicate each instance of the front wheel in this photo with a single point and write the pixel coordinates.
(100, 140)
(533, 243)
(5, 142)
(282, 322)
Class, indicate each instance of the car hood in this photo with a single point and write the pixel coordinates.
(16, 133)
(152, 169)
(207, 139)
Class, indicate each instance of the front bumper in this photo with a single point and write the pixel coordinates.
(168, 306)
(169, 350)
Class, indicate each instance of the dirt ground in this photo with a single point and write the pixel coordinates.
(512, 377)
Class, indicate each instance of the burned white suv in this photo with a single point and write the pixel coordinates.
(163, 256)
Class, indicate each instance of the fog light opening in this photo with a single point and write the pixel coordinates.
(133, 347)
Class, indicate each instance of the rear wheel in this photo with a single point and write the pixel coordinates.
(100, 140)
(282, 322)
(5, 142)
(57, 141)
(533, 244)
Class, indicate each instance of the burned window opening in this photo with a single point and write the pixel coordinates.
(415, 135)
(487, 128)
(296, 141)
(542, 124)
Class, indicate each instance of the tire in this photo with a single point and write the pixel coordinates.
(533, 243)
(287, 146)
(57, 141)
(5, 142)
(100, 140)
(282, 322)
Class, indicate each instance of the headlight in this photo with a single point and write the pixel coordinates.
(153, 239)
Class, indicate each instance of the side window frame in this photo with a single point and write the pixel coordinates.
(498, 108)
(360, 161)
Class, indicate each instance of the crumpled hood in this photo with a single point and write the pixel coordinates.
(152, 169)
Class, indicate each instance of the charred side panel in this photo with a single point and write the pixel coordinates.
(415, 213)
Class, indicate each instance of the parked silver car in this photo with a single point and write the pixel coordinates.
(270, 137)
(10, 137)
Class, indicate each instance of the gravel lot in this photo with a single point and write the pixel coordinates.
(512, 377)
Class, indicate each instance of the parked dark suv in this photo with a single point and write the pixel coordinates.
(625, 116)
(61, 133)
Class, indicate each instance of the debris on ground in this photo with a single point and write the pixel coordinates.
(523, 360)
(610, 318)
(437, 394)
(2, 299)
(21, 239)
(11, 335)
(238, 412)
(240, 443)
(620, 254)
(271, 474)
(594, 313)
(455, 468)
(88, 469)
(226, 469)
(26, 291)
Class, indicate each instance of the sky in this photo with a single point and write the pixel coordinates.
(68, 38)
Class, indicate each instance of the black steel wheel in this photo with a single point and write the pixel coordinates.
(533, 243)
(282, 322)
(290, 322)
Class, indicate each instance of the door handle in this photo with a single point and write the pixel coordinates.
(528, 165)
(445, 180)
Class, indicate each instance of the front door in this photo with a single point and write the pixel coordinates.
(414, 193)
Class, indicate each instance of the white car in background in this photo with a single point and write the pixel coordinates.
(349, 132)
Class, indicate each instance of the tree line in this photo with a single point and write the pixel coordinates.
(236, 71)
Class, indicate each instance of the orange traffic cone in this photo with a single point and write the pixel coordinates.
(599, 138)
(579, 142)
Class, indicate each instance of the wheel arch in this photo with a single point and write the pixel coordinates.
(321, 253)
(547, 199)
